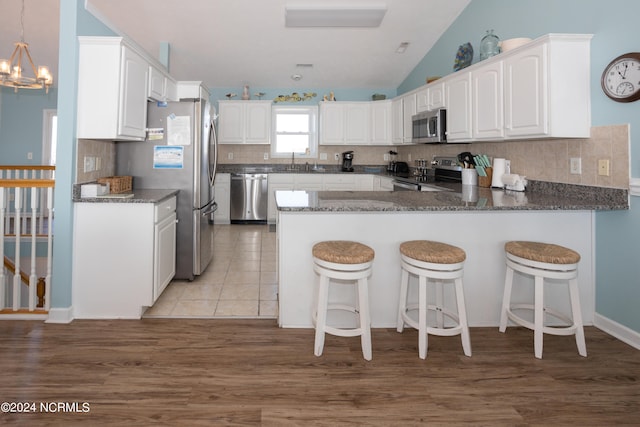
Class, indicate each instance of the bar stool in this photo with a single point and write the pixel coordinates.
(543, 261)
(343, 260)
(440, 262)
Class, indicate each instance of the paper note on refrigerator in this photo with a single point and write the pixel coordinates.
(178, 130)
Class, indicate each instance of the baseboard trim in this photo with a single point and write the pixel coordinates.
(617, 330)
(60, 315)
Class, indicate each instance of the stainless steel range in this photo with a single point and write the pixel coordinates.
(426, 175)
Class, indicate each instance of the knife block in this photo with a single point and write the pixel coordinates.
(485, 181)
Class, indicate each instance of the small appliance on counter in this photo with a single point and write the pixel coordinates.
(391, 167)
(347, 161)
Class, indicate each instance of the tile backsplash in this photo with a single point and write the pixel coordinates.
(543, 160)
(103, 150)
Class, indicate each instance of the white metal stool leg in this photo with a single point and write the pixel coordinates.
(423, 307)
(506, 299)
(404, 286)
(538, 316)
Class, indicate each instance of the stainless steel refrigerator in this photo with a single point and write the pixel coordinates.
(180, 153)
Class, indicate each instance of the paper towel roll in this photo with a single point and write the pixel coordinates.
(499, 169)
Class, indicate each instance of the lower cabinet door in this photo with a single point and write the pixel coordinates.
(164, 262)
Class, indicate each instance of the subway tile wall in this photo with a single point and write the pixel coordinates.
(542, 160)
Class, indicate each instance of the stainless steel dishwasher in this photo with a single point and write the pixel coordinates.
(248, 197)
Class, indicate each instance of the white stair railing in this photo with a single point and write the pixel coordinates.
(26, 217)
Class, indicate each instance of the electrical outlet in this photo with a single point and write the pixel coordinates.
(336, 156)
(385, 157)
(29, 155)
(89, 164)
(98, 163)
(266, 156)
(575, 166)
(409, 157)
(230, 156)
(323, 156)
(603, 167)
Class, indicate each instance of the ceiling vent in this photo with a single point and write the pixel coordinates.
(334, 16)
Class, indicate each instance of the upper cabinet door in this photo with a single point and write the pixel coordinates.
(459, 124)
(526, 103)
(133, 94)
(488, 102)
(244, 122)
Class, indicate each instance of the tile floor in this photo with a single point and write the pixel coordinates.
(240, 282)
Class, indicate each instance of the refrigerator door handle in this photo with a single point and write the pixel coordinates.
(213, 143)
(212, 208)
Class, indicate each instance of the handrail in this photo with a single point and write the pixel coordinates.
(24, 277)
(28, 167)
(27, 183)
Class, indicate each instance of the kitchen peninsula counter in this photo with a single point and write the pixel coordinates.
(479, 220)
(136, 196)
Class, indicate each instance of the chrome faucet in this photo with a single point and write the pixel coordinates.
(293, 157)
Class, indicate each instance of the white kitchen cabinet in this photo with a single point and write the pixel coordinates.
(222, 193)
(192, 89)
(161, 86)
(340, 182)
(112, 90)
(409, 109)
(344, 123)
(437, 98)
(157, 84)
(381, 122)
(364, 182)
(311, 182)
(397, 121)
(244, 122)
(547, 88)
(382, 183)
(488, 101)
(124, 256)
(458, 98)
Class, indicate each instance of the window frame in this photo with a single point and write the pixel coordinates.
(312, 112)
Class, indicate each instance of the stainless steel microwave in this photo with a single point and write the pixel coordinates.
(429, 127)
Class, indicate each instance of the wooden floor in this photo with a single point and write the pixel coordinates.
(250, 372)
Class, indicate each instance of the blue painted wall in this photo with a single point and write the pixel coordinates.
(614, 26)
(21, 124)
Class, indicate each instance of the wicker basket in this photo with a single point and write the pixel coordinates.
(117, 184)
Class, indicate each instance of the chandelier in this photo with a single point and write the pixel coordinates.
(11, 73)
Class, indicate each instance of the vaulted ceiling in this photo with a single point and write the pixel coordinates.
(231, 43)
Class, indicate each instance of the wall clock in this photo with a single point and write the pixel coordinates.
(621, 78)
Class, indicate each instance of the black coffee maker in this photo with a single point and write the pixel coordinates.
(347, 158)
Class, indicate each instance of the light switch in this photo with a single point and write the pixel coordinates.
(576, 166)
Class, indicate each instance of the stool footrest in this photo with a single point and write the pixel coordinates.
(443, 332)
(552, 330)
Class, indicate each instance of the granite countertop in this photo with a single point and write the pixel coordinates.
(469, 198)
(136, 196)
(299, 168)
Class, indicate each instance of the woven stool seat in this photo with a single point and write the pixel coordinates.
(343, 252)
(542, 252)
(434, 252)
